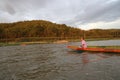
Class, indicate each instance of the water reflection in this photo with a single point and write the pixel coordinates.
(88, 57)
(85, 58)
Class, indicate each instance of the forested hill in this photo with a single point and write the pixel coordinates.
(41, 28)
(37, 28)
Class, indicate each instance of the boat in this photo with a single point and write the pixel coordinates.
(77, 48)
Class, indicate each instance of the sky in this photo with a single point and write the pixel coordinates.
(83, 14)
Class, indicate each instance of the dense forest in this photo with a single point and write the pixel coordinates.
(40, 30)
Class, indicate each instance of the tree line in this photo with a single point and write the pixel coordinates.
(46, 29)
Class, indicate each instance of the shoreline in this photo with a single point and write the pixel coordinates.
(56, 42)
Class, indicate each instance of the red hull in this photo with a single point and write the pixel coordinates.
(94, 49)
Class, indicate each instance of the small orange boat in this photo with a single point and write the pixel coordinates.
(94, 49)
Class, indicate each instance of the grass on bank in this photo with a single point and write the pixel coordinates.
(30, 43)
(21, 43)
(58, 41)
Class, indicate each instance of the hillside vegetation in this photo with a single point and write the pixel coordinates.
(37, 30)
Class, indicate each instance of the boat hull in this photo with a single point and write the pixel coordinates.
(94, 49)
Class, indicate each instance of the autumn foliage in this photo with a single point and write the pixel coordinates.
(41, 30)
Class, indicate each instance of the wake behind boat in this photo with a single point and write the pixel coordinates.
(94, 49)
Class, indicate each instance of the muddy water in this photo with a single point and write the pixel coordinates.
(56, 62)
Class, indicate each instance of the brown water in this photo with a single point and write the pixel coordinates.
(56, 62)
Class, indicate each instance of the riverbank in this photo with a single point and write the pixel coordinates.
(22, 43)
(32, 43)
(64, 41)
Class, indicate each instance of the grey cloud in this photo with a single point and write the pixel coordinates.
(17, 10)
(71, 12)
(98, 12)
(10, 9)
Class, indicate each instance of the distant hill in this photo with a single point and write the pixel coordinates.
(41, 28)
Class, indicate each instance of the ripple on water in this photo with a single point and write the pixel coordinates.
(56, 62)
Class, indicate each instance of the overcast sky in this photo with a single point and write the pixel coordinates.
(85, 14)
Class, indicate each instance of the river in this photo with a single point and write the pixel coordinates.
(56, 62)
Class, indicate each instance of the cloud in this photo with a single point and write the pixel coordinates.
(101, 10)
(101, 25)
(17, 10)
(70, 12)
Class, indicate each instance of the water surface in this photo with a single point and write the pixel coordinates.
(56, 62)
